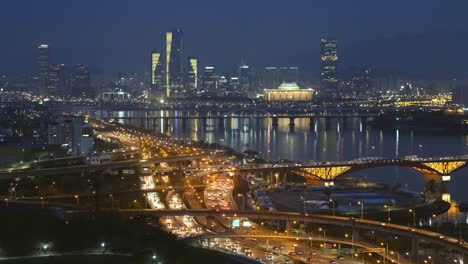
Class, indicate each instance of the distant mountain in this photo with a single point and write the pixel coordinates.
(431, 55)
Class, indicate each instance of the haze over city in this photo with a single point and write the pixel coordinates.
(331, 132)
(418, 37)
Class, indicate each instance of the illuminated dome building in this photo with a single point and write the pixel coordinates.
(289, 91)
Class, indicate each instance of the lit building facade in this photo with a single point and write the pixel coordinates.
(54, 81)
(192, 75)
(329, 66)
(42, 67)
(209, 79)
(288, 92)
(80, 82)
(72, 133)
(157, 78)
(174, 63)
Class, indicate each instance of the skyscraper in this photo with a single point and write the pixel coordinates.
(80, 82)
(157, 78)
(209, 79)
(56, 80)
(42, 67)
(328, 71)
(174, 62)
(245, 78)
(192, 75)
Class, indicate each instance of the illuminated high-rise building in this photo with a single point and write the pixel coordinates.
(192, 75)
(56, 80)
(245, 78)
(209, 79)
(80, 82)
(328, 70)
(174, 63)
(42, 67)
(157, 78)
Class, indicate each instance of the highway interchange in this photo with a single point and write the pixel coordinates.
(205, 209)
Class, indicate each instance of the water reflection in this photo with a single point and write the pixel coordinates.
(318, 139)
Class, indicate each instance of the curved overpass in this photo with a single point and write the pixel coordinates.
(432, 237)
(307, 238)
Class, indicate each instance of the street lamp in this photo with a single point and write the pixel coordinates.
(112, 200)
(386, 251)
(322, 229)
(388, 212)
(362, 209)
(77, 199)
(414, 216)
(333, 206)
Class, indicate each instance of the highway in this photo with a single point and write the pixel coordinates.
(10, 174)
(360, 224)
(306, 239)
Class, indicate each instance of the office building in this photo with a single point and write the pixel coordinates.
(157, 77)
(42, 68)
(174, 63)
(245, 78)
(288, 92)
(329, 64)
(72, 133)
(57, 81)
(192, 76)
(80, 82)
(209, 79)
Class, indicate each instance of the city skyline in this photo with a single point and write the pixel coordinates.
(242, 39)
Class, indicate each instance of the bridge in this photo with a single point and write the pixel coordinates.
(240, 115)
(433, 169)
(356, 224)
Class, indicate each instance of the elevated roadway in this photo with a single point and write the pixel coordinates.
(360, 224)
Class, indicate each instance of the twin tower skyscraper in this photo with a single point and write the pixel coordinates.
(176, 78)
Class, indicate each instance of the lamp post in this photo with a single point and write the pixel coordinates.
(322, 229)
(362, 209)
(77, 199)
(386, 251)
(388, 213)
(112, 200)
(333, 206)
(414, 216)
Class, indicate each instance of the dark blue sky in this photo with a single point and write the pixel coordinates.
(117, 35)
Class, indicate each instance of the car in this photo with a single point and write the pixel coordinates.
(292, 253)
(287, 261)
(275, 247)
(441, 236)
(461, 242)
(339, 257)
(332, 262)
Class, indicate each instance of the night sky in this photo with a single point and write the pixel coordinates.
(422, 37)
